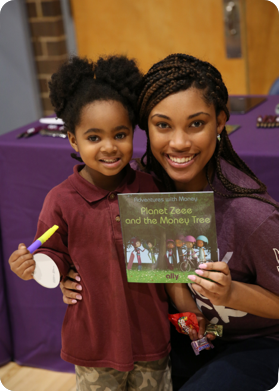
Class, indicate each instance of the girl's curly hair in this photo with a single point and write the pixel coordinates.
(80, 81)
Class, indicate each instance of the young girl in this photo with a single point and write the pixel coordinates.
(119, 336)
(183, 110)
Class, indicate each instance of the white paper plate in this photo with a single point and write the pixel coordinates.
(46, 272)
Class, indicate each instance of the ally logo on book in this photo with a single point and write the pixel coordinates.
(167, 235)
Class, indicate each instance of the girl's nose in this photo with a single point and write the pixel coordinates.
(180, 140)
(108, 146)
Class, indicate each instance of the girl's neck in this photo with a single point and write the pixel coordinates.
(109, 183)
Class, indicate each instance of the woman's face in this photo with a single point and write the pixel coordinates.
(183, 130)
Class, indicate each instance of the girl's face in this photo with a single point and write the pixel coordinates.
(170, 245)
(104, 139)
(137, 244)
(183, 130)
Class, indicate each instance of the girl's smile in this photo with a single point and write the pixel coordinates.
(183, 130)
(104, 139)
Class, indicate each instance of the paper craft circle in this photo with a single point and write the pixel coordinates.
(46, 272)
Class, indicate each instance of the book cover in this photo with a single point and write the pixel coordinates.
(167, 235)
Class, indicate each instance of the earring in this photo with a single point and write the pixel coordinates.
(219, 137)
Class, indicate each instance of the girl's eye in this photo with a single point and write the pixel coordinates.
(119, 136)
(163, 125)
(93, 138)
(197, 124)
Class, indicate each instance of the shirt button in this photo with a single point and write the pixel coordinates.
(112, 196)
(117, 218)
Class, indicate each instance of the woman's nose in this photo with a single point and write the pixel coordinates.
(180, 140)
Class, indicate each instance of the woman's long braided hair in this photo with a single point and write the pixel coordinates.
(178, 72)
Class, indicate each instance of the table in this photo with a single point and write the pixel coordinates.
(31, 316)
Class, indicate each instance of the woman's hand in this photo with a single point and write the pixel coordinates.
(71, 288)
(218, 289)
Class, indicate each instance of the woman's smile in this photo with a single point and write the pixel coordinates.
(180, 161)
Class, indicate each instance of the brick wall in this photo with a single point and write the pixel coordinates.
(49, 42)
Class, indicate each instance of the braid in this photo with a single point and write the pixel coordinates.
(178, 72)
(225, 150)
(153, 165)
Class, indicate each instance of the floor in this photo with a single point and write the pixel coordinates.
(18, 378)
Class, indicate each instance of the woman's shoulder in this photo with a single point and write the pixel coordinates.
(241, 216)
(241, 179)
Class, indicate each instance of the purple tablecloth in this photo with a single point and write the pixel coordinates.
(259, 147)
(29, 168)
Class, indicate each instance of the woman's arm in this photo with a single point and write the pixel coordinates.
(71, 288)
(221, 290)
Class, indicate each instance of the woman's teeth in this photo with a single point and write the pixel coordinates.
(180, 160)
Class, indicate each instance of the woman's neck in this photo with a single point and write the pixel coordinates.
(199, 184)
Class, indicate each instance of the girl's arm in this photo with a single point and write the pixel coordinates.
(221, 290)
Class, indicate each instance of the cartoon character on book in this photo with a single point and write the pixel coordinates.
(170, 251)
(190, 252)
(136, 243)
(201, 240)
(189, 256)
(150, 247)
(179, 242)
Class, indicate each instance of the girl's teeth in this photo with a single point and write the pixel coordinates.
(110, 161)
(180, 160)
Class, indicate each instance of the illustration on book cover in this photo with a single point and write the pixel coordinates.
(167, 235)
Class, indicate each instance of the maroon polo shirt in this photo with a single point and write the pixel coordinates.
(116, 323)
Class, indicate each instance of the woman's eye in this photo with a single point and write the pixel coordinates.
(197, 124)
(93, 138)
(163, 125)
(119, 136)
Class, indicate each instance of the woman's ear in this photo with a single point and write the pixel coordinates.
(72, 140)
(221, 121)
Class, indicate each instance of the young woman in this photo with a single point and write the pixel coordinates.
(182, 108)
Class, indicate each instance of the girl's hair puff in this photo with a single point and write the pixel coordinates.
(179, 72)
(80, 81)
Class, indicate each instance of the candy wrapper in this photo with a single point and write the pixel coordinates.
(201, 344)
(184, 321)
(215, 329)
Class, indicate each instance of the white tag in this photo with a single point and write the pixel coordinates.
(46, 272)
(51, 121)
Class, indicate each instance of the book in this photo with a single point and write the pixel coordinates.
(167, 235)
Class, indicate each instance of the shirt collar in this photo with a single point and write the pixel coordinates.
(92, 193)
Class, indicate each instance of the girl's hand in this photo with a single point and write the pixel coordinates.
(71, 288)
(22, 263)
(218, 289)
